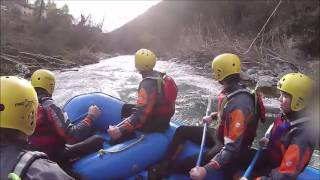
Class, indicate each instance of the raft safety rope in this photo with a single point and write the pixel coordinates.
(120, 147)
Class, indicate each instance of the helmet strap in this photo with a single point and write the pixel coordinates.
(42, 92)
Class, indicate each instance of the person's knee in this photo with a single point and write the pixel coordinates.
(97, 140)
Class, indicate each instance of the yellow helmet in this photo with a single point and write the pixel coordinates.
(144, 60)
(225, 65)
(299, 86)
(18, 104)
(43, 79)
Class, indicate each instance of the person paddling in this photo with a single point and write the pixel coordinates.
(53, 128)
(293, 136)
(155, 105)
(237, 128)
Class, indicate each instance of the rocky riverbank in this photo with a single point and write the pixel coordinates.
(263, 74)
(15, 62)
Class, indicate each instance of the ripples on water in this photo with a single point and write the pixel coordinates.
(117, 77)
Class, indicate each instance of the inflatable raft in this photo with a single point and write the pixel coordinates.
(129, 159)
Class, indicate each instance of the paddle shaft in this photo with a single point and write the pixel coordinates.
(255, 158)
(252, 164)
(118, 125)
(205, 127)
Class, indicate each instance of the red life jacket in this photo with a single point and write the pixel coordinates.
(167, 92)
(167, 95)
(170, 90)
(45, 137)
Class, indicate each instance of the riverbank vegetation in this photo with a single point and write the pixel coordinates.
(272, 37)
(42, 35)
(276, 36)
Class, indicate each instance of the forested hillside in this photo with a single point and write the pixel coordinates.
(187, 28)
(40, 35)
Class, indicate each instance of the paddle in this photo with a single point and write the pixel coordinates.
(204, 133)
(252, 164)
(255, 158)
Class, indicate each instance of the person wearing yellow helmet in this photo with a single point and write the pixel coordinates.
(236, 130)
(53, 129)
(292, 138)
(299, 87)
(144, 60)
(44, 79)
(155, 106)
(18, 110)
(226, 66)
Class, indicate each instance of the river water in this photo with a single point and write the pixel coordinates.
(117, 76)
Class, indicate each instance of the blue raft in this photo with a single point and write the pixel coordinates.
(131, 158)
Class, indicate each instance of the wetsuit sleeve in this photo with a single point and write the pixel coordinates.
(70, 132)
(45, 169)
(147, 95)
(295, 159)
(236, 120)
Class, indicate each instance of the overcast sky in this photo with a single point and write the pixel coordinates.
(115, 13)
